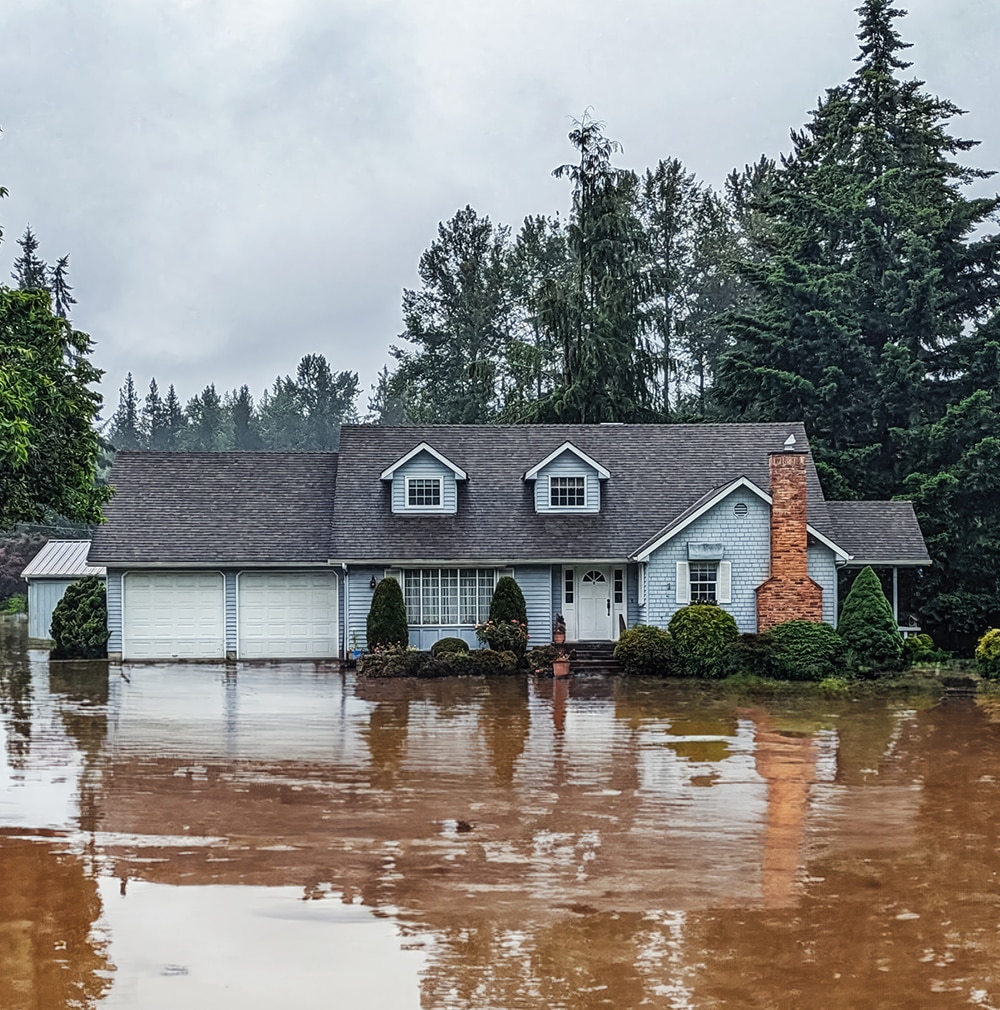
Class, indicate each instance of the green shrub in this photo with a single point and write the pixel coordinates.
(450, 645)
(644, 650)
(504, 636)
(702, 637)
(508, 603)
(396, 661)
(867, 626)
(805, 650)
(919, 649)
(80, 621)
(16, 604)
(541, 658)
(988, 654)
(387, 616)
(752, 655)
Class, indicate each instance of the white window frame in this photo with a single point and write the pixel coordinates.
(723, 582)
(568, 476)
(482, 602)
(423, 508)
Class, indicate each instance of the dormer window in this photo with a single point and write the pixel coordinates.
(567, 492)
(423, 492)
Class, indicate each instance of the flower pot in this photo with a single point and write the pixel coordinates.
(558, 637)
(560, 666)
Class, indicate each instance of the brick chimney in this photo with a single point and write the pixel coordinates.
(789, 594)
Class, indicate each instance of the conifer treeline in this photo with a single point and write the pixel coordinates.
(303, 412)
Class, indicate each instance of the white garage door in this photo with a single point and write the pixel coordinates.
(287, 615)
(175, 615)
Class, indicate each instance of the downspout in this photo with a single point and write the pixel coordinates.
(347, 611)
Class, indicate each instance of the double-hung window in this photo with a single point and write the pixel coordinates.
(567, 492)
(704, 581)
(423, 492)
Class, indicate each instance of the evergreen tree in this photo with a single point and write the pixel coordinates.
(30, 271)
(207, 429)
(246, 430)
(62, 290)
(456, 323)
(125, 430)
(175, 422)
(386, 624)
(507, 602)
(867, 625)
(325, 400)
(153, 419)
(385, 405)
(872, 271)
(80, 621)
(596, 319)
(282, 425)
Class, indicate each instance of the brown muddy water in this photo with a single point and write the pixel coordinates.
(208, 837)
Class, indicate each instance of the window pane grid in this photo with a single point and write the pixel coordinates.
(567, 492)
(619, 585)
(423, 492)
(448, 595)
(703, 582)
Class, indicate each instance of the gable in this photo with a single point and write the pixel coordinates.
(425, 484)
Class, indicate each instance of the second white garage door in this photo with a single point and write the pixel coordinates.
(287, 615)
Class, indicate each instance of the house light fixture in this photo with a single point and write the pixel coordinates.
(373, 583)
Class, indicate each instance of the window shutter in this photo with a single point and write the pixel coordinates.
(683, 582)
(724, 582)
(642, 586)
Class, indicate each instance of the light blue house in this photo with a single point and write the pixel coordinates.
(276, 555)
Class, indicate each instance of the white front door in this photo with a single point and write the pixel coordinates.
(593, 608)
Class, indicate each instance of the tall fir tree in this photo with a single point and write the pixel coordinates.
(62, 290)
(30, 273)
(175, 422)
(207, 424)
(873, 269)
(125, 429)
(153, 419)
(246, 428)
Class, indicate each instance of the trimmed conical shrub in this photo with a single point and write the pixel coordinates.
(80, 621)
(508, 602)
(869, 630)
(387, 616)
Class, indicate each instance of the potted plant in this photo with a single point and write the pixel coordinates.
(559, 630)
(560, 665)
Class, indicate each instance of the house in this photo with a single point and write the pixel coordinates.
(276, 555)
(49, 574)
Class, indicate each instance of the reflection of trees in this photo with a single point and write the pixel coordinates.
(388, 727)
(15, 689)
(49, 956)
(84, 713)
(505, 722)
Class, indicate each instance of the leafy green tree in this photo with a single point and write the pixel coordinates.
(126, 427)
(872, 268)
(48, 443)
(868, 627)
(80, 621)
(386, 624)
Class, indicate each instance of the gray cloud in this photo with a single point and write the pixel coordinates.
(241, 183)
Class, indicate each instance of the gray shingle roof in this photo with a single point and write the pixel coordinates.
(658, 471)
(215, 508)
(65, 559)
(878, 532)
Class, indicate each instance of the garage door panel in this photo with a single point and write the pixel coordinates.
(174, 615)
(288, 615)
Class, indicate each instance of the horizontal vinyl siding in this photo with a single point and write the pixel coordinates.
(536, 585)
(567, 465)
(114, 590)
(632, 595)
(360, 594)
(425, 465)
(232, 631)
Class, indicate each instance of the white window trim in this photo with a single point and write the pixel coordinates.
(723, 582)
(569, 508)
(533, 473)
(388, 472)
(422, 508)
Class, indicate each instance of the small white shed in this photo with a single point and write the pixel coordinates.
(49, 573)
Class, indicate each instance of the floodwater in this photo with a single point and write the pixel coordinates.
(208, 837)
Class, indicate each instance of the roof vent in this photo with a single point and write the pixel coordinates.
(740, 510)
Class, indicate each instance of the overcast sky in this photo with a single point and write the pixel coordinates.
(241, 182)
